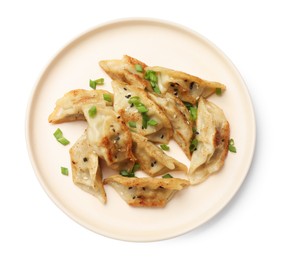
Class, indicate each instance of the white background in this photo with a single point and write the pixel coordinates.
(250, 33)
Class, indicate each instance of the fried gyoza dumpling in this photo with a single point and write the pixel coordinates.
(125, 70)
(187, 87)
(179, 117)
(146, 192)
(213, 137)
(109, 136)
(69, 107)
(140, 113)
(152, 159)
(86, 172)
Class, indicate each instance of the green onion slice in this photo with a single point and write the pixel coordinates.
(127, 174)
(218, 91)
(141, 108)
(107, 97)
(193, 113)
(94, 83)
(145, 120)
(138, 68)
(132, 124)
(167, 176)
(136, 167)
(92, 111)
(231, 146)
(152, 122)
(194, 145)
(165, 147)
(58, 134)
(151, 76)
(64, 171)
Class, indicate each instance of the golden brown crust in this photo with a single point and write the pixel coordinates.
(213, 140)
(146, 192)
(86, 172)
(152, 159)
(69, 107)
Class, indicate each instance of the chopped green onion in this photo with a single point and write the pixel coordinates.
(132, 124)
(218, 91)
(145, 119)
(193, 113)
(94, 83)
(157, 90)
(164, 147)
(167, 176)
(141, 108)
(151, 76)
(194, 145)
(136, 167)
(58, 134)
(131, 173)
(92, 111)
(127, 174)
(134, 100)
(138, 68)
(64, 171)
(231, 146)
(63, 141)
(107, 97)
(152, 122)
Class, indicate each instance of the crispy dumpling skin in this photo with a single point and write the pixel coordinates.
(213, 139)
(123, 92)
(152, 159)
(86, 172)
(184, 86)
(146, 192)
(124, 70)
(110, 137)
(179, 117)
(69, 107)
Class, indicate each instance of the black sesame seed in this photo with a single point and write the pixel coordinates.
(162, 136)
(128, 96)
(129, 188)
(134, 197)
(132, 105)
(118, 117)
(85, 159)
(143, 188)
(125, 89)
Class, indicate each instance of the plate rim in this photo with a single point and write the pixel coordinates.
(80, 36)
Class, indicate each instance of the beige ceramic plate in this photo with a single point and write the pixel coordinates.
(156, 43)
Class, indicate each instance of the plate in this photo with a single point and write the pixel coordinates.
(155, 42)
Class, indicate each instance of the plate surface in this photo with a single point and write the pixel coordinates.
(155, 43)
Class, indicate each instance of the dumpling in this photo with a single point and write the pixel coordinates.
(212, 142)
(125, 70)
(69, 107)
(109, 136)
(140, 113)
(152, 159)
(184, 86)
(86, 172)
(179, 116)
(160, 80)
(146, 192)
